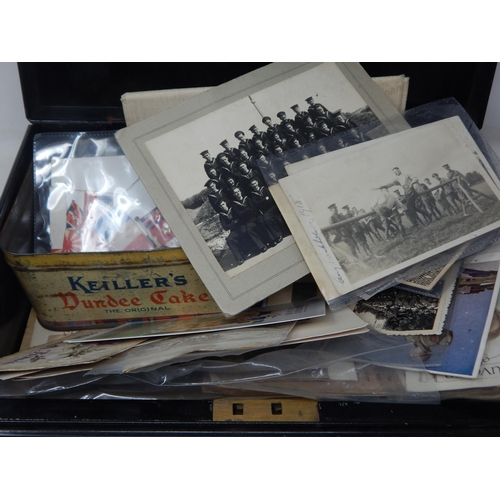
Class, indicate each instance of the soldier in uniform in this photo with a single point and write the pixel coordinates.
(421, 205)
(262, 200)
(461, 181)
(299, 119)
(341, 122)
(311, 110)
(342, 233)
(247, 143)
(228, 184)
(322, 129)
(286, 125)
(359, 231)
(407, 183)
(374, 226)
(244, 155)
(261, 148)
(446, 196)
(227, 167)
(309, 130)
(215, 193)
(213, 173)
(356, 230)
(229, 222)
(258, 134)
(435, 196)
(277, 149)
(387, 205)
(319, 112)
(428, 201)
(250, 221)
(271, 128)
(246, 175)
(231, 153)
(288, 131)
(277, 139)
(368, 229)
(209, 161)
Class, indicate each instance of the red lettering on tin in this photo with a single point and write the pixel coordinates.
(158, 297)
(187, 297)
(70, 300)
(111, 301)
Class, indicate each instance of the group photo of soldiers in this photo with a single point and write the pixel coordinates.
(235, 187)
(399, 208)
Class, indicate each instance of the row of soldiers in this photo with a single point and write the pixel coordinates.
(420, 203)
(427, 201)
(236, 188)
(355, 234)
(305, 127)
(252, 219)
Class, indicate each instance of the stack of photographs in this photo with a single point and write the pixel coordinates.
(200, 162)
(307, 170)
(371, 211)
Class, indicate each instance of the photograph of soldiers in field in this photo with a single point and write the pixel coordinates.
(390, 203)
(395, 222)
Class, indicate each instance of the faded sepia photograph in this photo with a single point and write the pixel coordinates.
(380, 207)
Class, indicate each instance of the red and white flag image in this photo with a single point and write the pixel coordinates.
(72, 241)
(158, 229)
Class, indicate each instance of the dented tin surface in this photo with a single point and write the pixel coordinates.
(89, 290)
(77, 290)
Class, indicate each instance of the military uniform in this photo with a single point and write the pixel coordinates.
(234, 239)
(300, 118)
(248, 218)
(262, 200)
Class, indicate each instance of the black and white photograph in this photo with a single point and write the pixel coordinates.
(222, 188)
(378, 208)
(200, 162)
(399, 311)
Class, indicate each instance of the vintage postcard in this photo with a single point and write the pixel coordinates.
(489, 371)
(466, 329)
(369, 211)
(397, 311)
(198, 161)
(254, 316)
(59, 353)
